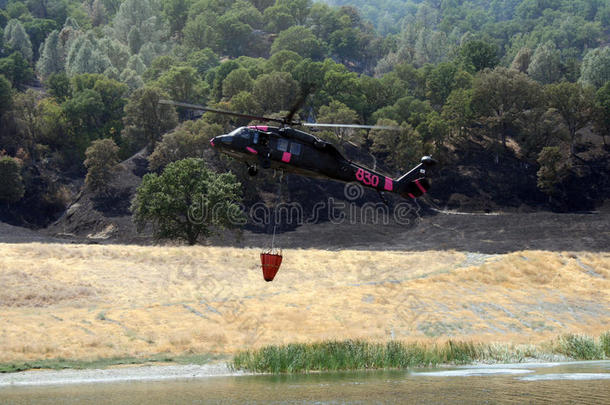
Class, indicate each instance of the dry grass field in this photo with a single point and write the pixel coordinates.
(91, 301)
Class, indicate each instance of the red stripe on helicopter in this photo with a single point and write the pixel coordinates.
(251, 150)
(389, 184)
(422, 189)
(286, 157)
(261, 127)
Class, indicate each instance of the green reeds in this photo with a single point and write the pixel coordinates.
(354, 355)
(581, 347)
(361, 355)
(604, 341)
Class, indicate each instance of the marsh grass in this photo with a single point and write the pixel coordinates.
(581, 347)
(604, 341)
(360, 355)
(355, 354)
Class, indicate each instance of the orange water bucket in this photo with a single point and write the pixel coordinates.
(271, 264)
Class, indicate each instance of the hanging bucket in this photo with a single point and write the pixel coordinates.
(271, 264)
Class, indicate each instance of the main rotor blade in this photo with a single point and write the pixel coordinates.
(299, 102)
(310, 124)
(217, 111)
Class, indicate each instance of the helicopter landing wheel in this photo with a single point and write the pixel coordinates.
(252, 170)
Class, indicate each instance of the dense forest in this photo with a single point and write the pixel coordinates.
(80, 84)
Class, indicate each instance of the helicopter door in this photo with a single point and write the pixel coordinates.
(291, 151)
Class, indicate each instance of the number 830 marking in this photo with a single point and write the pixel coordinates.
(367, 177)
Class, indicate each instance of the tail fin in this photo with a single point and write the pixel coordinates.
(414, 183)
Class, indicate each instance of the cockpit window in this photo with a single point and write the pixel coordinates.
(235, 132)
(242, 132)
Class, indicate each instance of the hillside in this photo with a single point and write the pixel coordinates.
(515, 109)
(85, 302)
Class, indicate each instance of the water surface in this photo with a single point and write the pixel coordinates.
(583, 383)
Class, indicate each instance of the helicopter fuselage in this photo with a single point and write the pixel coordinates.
(298, 152)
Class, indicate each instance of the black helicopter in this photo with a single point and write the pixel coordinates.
(293, 151)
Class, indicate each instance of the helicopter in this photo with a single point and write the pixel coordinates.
(294, 151)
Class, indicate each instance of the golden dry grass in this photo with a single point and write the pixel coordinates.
(89, 301)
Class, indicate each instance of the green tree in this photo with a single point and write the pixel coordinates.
(602, 117)
(203, 60)
(176, 12)
(275, 91)
(12, 189)
(338, 113)
(38, 29)
(244, 102)
(236, 81)
(301, 40)
(479, 55)
(234, 34)
(538, 128)
(522, 60)
(84, 113)
(545, 66)
(278, 18)
(142, 16)
(201, 32)
(16, 69)
(131, 78)
(595, 70)
(85, 56)
(553, 169)
(433, 130)
(101, 162)
(430, 47)
(17, 39)
(457, 111)
(299, 9)
(52, 57)
(400, 149)
(6, 95)
(187, 202)
(191, 139)
(18, 10)
(440, 82)
(501, 96)
(26, 115)
(575, 104)
(98, 13)
(135, 63)
(117, 53)
(182, 83)
(113, 95)
(158, 66)
(145, 119)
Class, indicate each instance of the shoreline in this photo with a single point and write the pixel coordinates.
(135, 373)
(148, 373)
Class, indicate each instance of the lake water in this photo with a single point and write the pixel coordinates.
(582, 383)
